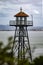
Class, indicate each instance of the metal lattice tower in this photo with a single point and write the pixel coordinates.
(22, 45)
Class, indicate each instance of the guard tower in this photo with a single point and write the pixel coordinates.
(22, 45)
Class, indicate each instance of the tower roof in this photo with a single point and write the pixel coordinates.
(21, 14)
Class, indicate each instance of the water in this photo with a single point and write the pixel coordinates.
(35, 38)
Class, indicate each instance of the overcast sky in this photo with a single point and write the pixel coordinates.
(8, 8)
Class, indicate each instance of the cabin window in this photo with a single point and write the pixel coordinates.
(19, 18)
(23, 18)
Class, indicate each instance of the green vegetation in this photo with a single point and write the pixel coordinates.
(7, 57)
(38, 61)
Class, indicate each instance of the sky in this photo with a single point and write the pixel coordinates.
(8, 8)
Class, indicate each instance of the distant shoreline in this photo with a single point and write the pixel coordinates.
(12, 28)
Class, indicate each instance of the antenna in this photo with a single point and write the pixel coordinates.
(20, 9)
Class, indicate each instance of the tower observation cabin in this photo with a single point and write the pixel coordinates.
(21, 19)
(21, 37)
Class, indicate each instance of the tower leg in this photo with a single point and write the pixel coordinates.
(23, 45)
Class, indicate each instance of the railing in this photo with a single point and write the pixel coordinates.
(15, 23)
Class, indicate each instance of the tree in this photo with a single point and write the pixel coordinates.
(6, 55)
(24, 62)
(38, 61)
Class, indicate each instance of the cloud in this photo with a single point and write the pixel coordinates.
(35, 11)
(8, 8)
(42, 7)
(35, 2)
(3, 15)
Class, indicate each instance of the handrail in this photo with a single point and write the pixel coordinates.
(12, 22)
